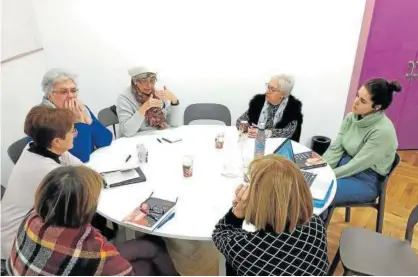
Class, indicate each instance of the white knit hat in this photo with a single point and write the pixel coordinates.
(137, 70)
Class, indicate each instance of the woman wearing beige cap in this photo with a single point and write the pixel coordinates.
(142, 107)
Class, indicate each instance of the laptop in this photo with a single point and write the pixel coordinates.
(286, 150)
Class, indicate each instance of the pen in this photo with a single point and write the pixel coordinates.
(159, 140)
(127, 159)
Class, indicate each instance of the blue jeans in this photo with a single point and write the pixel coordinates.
(360, 188)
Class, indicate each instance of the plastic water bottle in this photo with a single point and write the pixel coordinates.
(260, 141)
(142, 153)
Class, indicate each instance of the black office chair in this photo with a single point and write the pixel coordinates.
(378, 204)
(364, 252)
(16, 148)
(207, 111)
(109, 117)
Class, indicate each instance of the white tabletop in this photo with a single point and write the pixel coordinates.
(203, 198)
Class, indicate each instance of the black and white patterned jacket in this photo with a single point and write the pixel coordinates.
(265, 252)
(290, 126)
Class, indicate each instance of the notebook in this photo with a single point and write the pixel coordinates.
(320, 203)
(153, 213)
(123, 177)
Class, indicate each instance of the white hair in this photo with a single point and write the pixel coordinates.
(285, 82)
(53, 76)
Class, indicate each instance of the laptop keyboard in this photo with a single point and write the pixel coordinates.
(309, 177)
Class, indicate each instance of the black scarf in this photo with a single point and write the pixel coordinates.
(43, 152)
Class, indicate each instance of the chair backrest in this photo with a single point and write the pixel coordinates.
(109, 117)
(16, 148)
(207, 111)
(395, 163)
(412, 221)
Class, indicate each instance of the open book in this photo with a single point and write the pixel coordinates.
(152, 213)
(308, 160)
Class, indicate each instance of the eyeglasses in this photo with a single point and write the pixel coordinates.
(271, 89)
(146, 81)
(66, 91)
(154, 210)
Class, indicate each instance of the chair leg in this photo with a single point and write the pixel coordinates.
(379, 221)
(326, 220)
(347, 214)
(334, 263)
(380, 213)
(114, 130)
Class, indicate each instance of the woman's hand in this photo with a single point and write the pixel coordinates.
(240, 201)
(80, 106)
(151, 103)
(314, 161)
(72, 106)
(252, 132)
(165, 94)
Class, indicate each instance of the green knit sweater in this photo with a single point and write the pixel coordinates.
(371, 141)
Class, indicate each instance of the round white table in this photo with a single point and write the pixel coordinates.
(204, 198)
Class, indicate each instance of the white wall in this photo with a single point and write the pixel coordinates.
(19, 33)
(20, 82)
(207, 51)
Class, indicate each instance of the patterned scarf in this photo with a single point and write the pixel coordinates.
(46, 102)
(154, 117)
(277, 116)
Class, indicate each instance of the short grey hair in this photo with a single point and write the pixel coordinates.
(56, 75)
(285, 82)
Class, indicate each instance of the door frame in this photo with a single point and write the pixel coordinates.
(360, 53)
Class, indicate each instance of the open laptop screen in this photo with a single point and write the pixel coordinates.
(285, 150)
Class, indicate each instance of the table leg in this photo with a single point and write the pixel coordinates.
(120, 236)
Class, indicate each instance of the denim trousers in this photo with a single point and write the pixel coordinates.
(359, 188)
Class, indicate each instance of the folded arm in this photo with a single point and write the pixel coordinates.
(130, 121)
(100, 134)
(335, 151)
(82, 143)
(286, 132)
(243, 117)
(231, 239)
(372, 152)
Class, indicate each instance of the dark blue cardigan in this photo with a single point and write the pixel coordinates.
(89, 138)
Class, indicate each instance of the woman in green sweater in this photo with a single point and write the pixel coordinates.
(365, 147)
